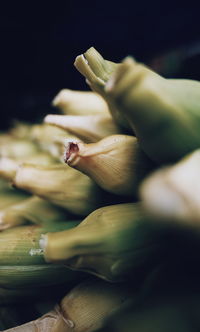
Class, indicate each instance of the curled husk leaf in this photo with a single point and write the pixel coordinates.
(73, 102)
(163, 113)
(116, 163)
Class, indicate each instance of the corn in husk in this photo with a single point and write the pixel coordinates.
(11, 196)
(84, 308)
(31, 210)
(8, 166)
(50, 139)
(63, 186)
(89, 128)
(112, 242)
(20, 268)
(116, 162)
(97, 72)
(163, 113)
(73, 102)
(18, 148)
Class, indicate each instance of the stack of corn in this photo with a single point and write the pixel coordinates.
(102, 189)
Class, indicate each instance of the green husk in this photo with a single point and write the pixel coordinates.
(62, 186)
(20, 268)
(10, 197)
(31, 210)
(163, 113)
(97, 72)
(113, 242)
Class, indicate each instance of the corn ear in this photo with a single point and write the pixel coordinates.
(112, 242)
(60, 185)
(50, 139)
(116, 162)
(97, 72)
(19, 268)
(20, 129)
(73, 102)
(84, 308)
(8, 166)
(163, 113)
(10, 197)
(18, 149)
(31, 210)
(89, 128)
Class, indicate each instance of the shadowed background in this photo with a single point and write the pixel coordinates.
(39, 43)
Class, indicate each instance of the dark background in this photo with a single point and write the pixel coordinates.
(39, 42)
